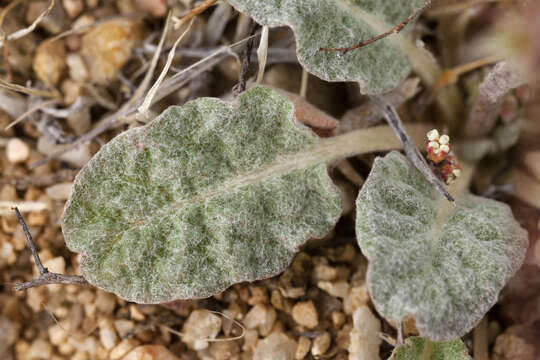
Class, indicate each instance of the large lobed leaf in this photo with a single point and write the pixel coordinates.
(442, 265)
(418, 348)
(378, 67)
(207, 195)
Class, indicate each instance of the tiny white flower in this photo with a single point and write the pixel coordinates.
(445, 148)
(433, 135)
(436, 151)
(456, 172)
(444, 140)
(433, 144)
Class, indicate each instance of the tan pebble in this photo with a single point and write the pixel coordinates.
(135, 313)
(357, 296)
(303, 347)
(37, 218)
(342, 338)
(224, 350)
(338, 289)
(80, 355)
(150, 352)
(71, 91)
(124, 327)
(77, 67)
(512, 347)
(276, 299)
(36, 297)
(267, 325)
(61, 312)
(232, 312)
(145, 335)
(107, 333)
(338, 319)
(17, 151)
(321, 344)
(250, 339)
(73, 7)
(255, 316)
(59, 191)
(66, 348)
(305, 314)
(73, 42)
(259, 295)
(80, 121)
(7, 254)
(324, 272)
(57, 334)
(275, 346)
(90, 310)
(92, 3)
(105, 302)
(77, 157)
(123, 348)
(21, 349)
(158, 8)
(364, 339)
(532, 162)
(86, 296)
(49, 61)
(9, 331)
(107, 47)
(40, 349)
(200, 326)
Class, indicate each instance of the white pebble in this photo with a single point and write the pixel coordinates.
(59, 191)
(17, 151)
(200, 326)
(276, 346)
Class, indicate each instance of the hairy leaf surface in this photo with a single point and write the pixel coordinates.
(418, 348)
(207, 195)
(443, 265)
(378, 67)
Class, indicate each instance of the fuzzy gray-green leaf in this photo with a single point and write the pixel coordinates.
(442, 265)
(207, 195)
(378, 67)
(418, 348)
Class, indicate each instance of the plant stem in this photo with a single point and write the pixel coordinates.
(411, 150)
(374, 139)
(45, 277)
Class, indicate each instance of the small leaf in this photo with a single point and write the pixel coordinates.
(418, 348)
(207, 195)
(378, 67)
(443, 265)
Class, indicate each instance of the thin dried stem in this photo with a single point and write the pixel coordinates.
(30, 111)
(480, 340)
(396, 29)
(246, 60)
(193, 12)
(410, 148)
(29, 91)
(143, 109)
(45, 277)
(23, 32)
(262, 53)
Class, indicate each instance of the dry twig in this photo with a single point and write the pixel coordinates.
(246, 60)
(396, 29)
(45, 277)
(410, 148)
(193, 12)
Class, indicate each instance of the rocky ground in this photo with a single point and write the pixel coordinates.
(319, 308)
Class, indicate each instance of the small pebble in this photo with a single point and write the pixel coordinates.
(200, 326)
(40, 349)
(150, 352)
(59, 191)
(73, 7)
(512, 347)
(124, 327)
(50, 61)
(338, 289)
(303, 347)
(107, 333)
(77, 67)
(321, 344)
(123, 348)
(277, 346)
(17, 151)
(364, 339)
(305, 314)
